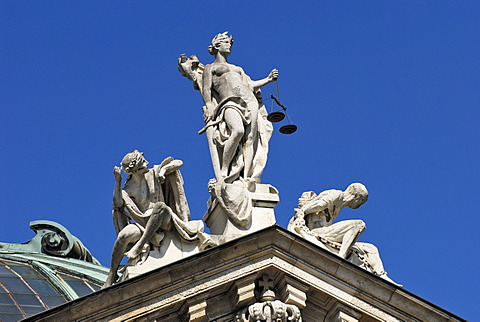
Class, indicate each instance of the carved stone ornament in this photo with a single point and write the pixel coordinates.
(269, 309)
(52, 239)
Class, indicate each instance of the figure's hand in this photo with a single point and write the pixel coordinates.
(273, 75)
(117, 173)
(161, 176)
(208, 115)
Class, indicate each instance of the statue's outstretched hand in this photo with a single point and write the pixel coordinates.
(117, 173)
(273, 75)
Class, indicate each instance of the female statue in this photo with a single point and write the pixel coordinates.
(236, 120)
(236, 126)
(229, 96)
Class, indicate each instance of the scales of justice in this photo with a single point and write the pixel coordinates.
(150, 211)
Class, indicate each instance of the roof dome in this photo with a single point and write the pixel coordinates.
(51, 269)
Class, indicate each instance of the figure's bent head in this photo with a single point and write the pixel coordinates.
(306, 197)
(134, 162)
(217, 42)
(358, 195)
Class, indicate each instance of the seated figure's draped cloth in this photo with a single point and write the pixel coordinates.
(172, 193)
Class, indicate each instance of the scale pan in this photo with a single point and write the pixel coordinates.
(275, 117)
(288, 129)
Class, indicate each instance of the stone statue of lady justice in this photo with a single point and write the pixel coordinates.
(237, 129)
(231, 104)
(234, 113)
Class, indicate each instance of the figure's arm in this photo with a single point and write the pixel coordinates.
(117, 192)
(162, 171)
(315, 206)
(119, 218)
(207, 93)
(273, 76)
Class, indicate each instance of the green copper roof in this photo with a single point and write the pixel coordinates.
(51, 269)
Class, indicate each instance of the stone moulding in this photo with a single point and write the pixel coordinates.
(220, 282)
(268, 309)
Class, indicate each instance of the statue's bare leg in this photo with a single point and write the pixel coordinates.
(345, 232)
(235, 124)
(160, 212)
(357, 227)
(128, 235)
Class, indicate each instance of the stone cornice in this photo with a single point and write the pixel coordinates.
(300, 270)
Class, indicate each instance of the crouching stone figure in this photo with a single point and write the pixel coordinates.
(151, 205)
(314, 221)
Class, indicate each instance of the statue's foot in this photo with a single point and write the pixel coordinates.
(144, 254)
(108, 282)
(251, 184)
(134, 252)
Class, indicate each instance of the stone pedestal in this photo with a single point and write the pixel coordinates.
(173, 248)
(264, 200)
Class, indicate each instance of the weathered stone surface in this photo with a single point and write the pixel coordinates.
(152, 218)
(237, 128)
(181, 289)
(173, 248)
(314, 221)
(238, 134)
(268, 308)
(224, 228)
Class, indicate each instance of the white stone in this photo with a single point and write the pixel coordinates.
(314, 221)
(224, 278)
(263, 201)
(268, 309)
(237, 132)
(236, 125)
(172, 249)
(151, 217)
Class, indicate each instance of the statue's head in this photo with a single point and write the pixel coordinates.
(306, 197)
(357, 195)
(218, 40)
(134, 162)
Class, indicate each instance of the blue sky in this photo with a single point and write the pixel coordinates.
(383, 92)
